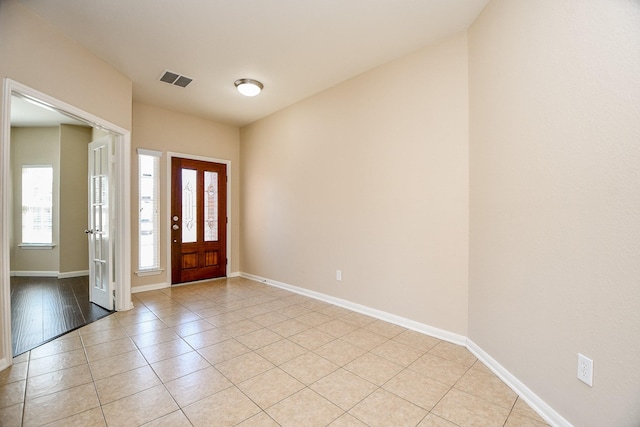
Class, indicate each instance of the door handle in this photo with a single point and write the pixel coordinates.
(175, 226)
(88, 231)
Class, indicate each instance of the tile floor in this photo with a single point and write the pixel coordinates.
(237, 352)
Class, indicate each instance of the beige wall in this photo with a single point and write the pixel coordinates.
(519, 153)
(34, 146)
(64, 147)
(39, 56)
(555, 200)
(369, 177)
(159, 129)
(74, 248)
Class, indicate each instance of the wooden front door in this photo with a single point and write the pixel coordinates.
(198, 220)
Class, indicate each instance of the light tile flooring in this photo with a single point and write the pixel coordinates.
(237, 352)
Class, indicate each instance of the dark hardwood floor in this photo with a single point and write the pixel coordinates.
(43, 308)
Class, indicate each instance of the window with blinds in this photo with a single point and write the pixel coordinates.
(149, 210)
(37, 205)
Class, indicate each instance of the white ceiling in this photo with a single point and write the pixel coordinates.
(27, 113)
(294, 47)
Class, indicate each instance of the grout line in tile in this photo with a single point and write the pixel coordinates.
(234, 300)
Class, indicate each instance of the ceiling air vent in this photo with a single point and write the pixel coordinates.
(175, 79)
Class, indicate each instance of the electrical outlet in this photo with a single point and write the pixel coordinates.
(585, 370)
(339, 275)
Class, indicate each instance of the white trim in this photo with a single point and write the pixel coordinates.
(122, 258)
(5, 227)
(152, 272)
(69, 274)
(157, 286)
(146, 152)
(537, 404)
(4, 364)
(24, 273)
(122, 226)
(170, 156)
(378, 314)
(57, 274)
(36, 246)
(152, 287)
(156, 226)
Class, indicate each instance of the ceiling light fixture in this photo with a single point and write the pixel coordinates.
(248, 87)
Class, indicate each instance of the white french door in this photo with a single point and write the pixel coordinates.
(100, 256)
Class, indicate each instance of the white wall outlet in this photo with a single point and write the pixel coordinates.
(339, 275)
(585, 370)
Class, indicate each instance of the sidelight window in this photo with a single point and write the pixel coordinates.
(149, 210)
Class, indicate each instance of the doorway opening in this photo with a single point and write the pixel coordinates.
(118, 283)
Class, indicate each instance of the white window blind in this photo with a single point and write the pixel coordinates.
(149, 210)
(37, 205)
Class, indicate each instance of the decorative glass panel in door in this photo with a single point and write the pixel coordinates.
(189, 206)
(210, 206)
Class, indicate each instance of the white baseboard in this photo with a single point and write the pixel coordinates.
(156, 286)
(70, 274)
(378, 314)
(34, 273)
(3, 363)
(56, 274)
(537, 404)
(152, 287)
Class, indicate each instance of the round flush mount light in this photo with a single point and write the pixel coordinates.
(248, 87)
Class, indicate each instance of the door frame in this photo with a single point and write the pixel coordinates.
(122, 210)
(170, 156)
